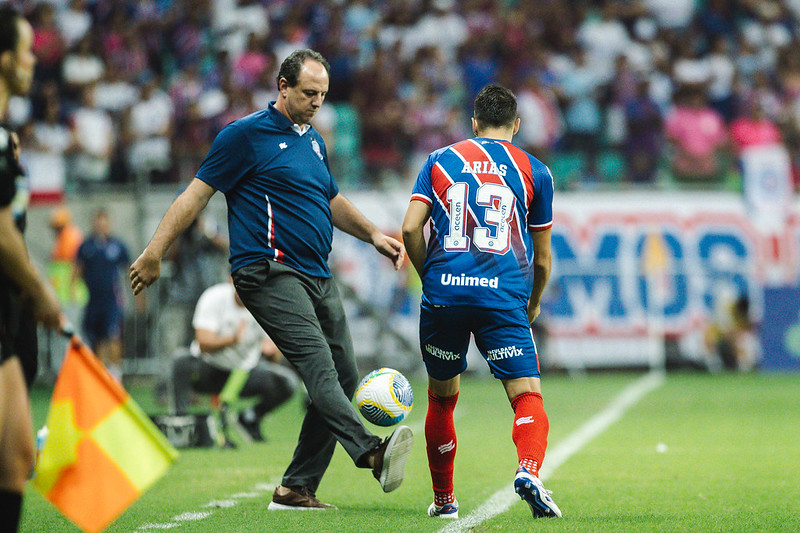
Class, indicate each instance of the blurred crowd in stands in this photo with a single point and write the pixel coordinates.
(635, 93)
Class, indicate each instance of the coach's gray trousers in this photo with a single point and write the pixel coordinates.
(305, 318)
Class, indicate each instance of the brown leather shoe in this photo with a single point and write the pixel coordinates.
(390, 458)
(296, 499)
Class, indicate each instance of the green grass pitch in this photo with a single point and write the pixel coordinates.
(700, 453)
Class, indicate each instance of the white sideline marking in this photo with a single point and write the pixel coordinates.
(233, 499)
(502, 500)
(222, 504)
(192, 516)
(225, 503)
(240, 495)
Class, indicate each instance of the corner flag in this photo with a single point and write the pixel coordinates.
(102, 451)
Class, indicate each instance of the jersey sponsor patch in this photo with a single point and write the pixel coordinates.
(469, 281)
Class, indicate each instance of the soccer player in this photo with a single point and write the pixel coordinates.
(283, 203)
(24, 296)
(483, 271)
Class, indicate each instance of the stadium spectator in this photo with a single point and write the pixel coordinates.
(731, 48)
(541, 124)
(718, 20)
(100, 259)
(689, 67)
(114, 93)
(227, 338)
(47, 149)
(583, 117)
(95, 140)
(698, 138)
(442, 28)
(671, 14)
(74, 22)
(251, 63)
(81, 68)
(68, 239)
(190, 40)
(642, 145)
(150, 126)
(48, 45)
(428, 121)
(25, 297)
(479, 64)
(236, 21)
(722, 74)
(282, 276)
(754, 128)
(382, 118)
(604, 37)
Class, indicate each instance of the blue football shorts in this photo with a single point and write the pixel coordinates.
(102, 323)
(503, 337)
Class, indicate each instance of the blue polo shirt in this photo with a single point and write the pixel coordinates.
(278, 187)
(102, 260)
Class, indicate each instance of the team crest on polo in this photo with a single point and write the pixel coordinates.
(315, 146)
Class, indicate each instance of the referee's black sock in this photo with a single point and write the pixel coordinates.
(10, 508)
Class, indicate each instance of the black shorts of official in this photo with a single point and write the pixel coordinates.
(18, 333)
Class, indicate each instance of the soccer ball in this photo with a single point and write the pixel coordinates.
(384, 397)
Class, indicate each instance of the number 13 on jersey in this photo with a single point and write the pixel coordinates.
(494, 234)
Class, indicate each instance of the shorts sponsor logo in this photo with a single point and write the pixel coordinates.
(449, 447)
(505, 352)
(441, 354)
(469, 281)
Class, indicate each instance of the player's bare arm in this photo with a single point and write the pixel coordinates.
(147, 267)
(16, 263)
(210, 341)
(417, 215)
(542, 263)
(350, 220)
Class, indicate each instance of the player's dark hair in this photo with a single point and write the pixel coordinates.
(495, 107)
(9, 28)
(290, 68)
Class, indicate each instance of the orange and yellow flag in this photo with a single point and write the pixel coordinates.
(102, 451)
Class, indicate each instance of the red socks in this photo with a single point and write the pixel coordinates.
(440, 435)
(530, 430)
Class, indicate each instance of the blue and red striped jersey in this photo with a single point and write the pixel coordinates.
(486, 197)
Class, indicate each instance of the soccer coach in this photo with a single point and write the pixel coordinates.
(283, 203)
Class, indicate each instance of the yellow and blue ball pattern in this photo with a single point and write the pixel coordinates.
(384, 397)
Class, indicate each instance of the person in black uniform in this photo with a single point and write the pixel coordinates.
(24, 297)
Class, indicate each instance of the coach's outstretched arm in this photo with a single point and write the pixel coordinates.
(350, 220)
(147, 268)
